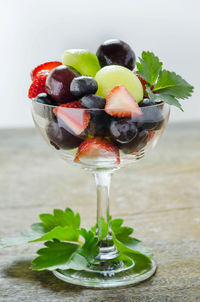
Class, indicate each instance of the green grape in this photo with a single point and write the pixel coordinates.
(110, 76)
(83, 60)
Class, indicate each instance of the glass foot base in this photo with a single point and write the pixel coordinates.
(91, 278)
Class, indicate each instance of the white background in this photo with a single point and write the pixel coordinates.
(35, 31)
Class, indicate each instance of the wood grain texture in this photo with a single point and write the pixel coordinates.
(159, 197)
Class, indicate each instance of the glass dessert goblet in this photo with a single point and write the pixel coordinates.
(102, 144)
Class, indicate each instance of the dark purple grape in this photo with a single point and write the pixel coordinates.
(83, 86)
(93, 102)
(136, 144)
(116, 52)
(122, 130)
(58, 84)
(60, 138)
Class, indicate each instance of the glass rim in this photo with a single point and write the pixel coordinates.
(158, 104)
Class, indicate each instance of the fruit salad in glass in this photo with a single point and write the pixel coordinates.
(102, 112)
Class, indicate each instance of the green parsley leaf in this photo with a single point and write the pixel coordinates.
(122, 233)
(128, 261)
(61, 233)
(65, 255)
(62, 225)
(55, 255)
(149, 67)
(170, 83)
(60, 218)
(171, 100)
(169, 86)
(142, 261)
(102, 228)
(69, 253)
(90, 247)
(137, 246)
(36, 231)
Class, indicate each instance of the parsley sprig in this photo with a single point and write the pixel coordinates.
(161, 84)
(68, 246)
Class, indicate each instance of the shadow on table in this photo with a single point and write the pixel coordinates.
(21, 270)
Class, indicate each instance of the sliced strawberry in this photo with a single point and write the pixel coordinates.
(151, 134)
(120, 103)
(74, 116)
(38, 85)
(45, 66)
(96, 148)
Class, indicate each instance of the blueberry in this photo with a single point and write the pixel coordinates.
(93, 101)
(42, 110)
(44, 98)
(60, 137)
(99, 118)
(151, 118)
(123, 130)
(83, 85)
(146, 102)
(136, 144)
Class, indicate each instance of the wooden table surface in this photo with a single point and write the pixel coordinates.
(159, 196)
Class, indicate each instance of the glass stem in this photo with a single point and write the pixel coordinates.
(108, 251)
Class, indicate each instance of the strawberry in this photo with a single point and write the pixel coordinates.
(143, 82)
(75, 104)
(45, 66)
(38, 85)
(151, 134)
(120, 103)
(75, 117)
(93, 148)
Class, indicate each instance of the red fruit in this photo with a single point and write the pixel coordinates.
(97, 147)
(151, 134)
(152, 87)
(120, 103)
(75, 104)
(75, 117)
(38, 85)
(45, 66)
(58, 84)
(143, 82)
